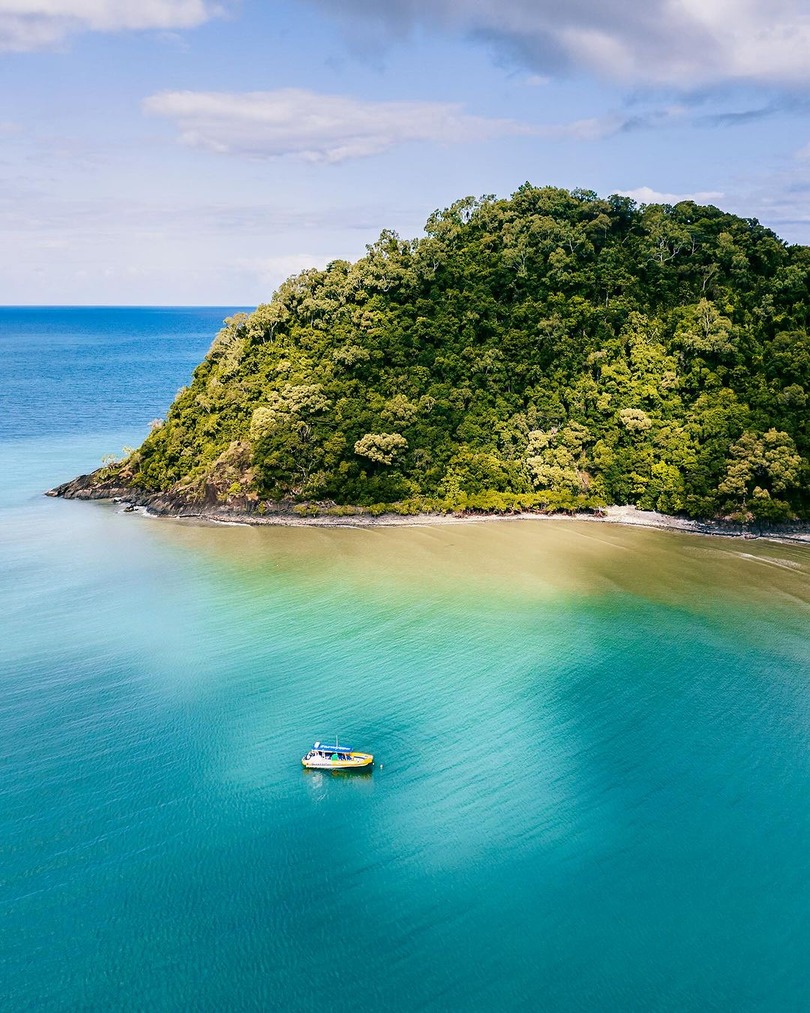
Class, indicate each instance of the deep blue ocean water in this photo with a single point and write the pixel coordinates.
(593, 742)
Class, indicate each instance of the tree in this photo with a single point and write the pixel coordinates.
(382, 448)
(759, 465)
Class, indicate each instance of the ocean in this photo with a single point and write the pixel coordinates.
(592, 742)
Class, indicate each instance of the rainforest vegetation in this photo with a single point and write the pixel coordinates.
(553, 350)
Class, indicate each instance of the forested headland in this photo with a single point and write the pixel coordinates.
(551, 351)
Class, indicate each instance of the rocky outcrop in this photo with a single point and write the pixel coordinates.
(92, 486)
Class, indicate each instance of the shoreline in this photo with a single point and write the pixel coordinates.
(622, 516)
(168, 507)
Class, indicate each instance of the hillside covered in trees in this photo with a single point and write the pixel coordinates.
(553, 350)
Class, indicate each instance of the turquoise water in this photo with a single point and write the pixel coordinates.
(592, 742)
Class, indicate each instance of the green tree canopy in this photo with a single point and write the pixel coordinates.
(553, 348)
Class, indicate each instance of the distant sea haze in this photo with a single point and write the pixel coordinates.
(594, 741)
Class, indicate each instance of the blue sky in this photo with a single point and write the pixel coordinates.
(197, 152)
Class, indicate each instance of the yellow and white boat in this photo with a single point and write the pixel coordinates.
(333, 756)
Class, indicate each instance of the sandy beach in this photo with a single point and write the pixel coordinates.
(623, 515)
(171, 507)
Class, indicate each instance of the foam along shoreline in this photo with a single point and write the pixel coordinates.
(173, 507)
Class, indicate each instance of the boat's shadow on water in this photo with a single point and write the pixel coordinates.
(325, 783)
(362, 774)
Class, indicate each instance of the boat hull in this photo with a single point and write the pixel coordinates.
(355, 761)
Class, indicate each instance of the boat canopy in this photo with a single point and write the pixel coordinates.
(326, 747)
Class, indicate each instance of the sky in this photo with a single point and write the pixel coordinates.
(196, 152)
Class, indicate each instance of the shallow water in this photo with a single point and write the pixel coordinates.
(592, 748)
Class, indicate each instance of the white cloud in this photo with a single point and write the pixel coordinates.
(646, 195)
(332, 128)
(316, 128)
(39, 24)
(271, 271)
(685, 43)
(171, 250)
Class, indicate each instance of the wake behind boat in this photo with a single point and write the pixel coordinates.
(332, 756)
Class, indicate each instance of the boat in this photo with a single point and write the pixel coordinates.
(333, 756)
